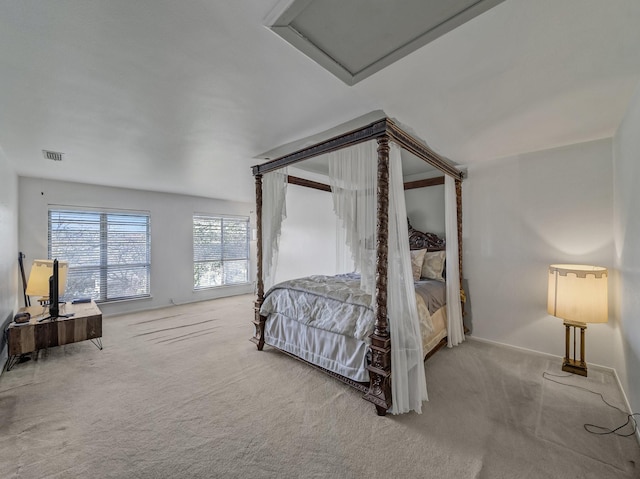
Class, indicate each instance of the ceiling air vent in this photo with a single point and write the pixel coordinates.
(52, 155)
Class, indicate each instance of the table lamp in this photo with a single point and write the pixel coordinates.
(578, 295)
(41, 271)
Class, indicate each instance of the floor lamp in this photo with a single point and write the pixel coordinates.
(578, 295)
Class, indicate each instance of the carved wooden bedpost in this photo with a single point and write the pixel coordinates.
(458, 184)
(259, 320)
(380, 368)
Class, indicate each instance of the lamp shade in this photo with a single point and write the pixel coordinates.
(578, 293)
(41, 270)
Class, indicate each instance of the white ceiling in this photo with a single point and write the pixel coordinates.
(181, 96)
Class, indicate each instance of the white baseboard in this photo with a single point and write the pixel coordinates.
(533, 351)
(510, 346)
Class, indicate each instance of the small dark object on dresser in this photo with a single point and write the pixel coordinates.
(22, 318)
(81, 300)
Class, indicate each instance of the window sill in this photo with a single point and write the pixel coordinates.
(124, 300)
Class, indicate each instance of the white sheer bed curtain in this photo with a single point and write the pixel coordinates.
(455, 328)
(274, 211)
(353, 178)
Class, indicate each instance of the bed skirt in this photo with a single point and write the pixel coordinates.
(343, 355)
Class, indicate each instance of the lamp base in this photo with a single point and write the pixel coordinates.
(574, 367)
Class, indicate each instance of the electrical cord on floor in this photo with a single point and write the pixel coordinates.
(600, 430)
(630, 420)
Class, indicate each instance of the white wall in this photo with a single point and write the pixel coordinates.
(425, 209)
(308, 241)
(171, 234)
(522, 214)
(9, 286)
(627, 249)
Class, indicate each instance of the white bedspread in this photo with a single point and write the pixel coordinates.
(332, 303)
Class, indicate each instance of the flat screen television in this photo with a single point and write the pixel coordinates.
(54, 292)
(54, 298)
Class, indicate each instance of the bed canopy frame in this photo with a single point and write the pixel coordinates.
(383, 131)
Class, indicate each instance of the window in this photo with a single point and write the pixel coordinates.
(108, 253)
(220, 251)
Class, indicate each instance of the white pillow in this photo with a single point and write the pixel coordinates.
(417, 258)
(433, 265)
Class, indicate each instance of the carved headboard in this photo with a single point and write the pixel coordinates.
(428, 241)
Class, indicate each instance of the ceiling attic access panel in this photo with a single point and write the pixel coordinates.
(354, 39)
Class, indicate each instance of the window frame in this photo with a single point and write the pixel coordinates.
(246, 257)
(104, 267)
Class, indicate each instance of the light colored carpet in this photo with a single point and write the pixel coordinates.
(181, 393)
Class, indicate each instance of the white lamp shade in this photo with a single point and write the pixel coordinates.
(41, 270)
(578, 293)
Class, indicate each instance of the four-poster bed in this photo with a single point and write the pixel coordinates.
(376, 268)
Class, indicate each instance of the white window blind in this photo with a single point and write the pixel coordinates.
(220, 251)
(108, 253)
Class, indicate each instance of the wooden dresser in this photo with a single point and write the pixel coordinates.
(84, 322)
